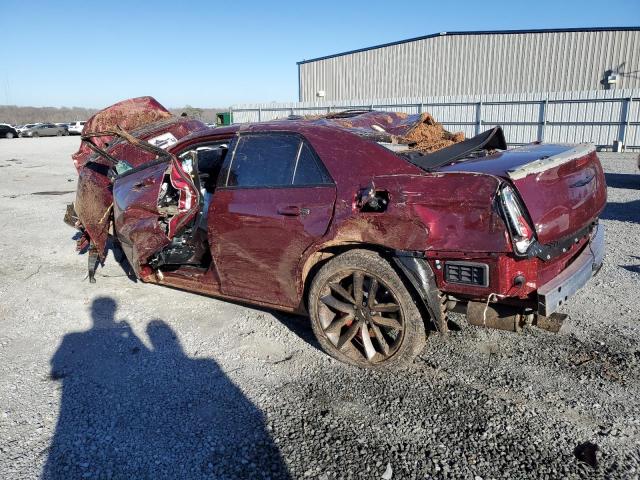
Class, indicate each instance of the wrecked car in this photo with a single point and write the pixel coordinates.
(374, 224)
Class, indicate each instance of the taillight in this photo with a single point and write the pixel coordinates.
(521, 233)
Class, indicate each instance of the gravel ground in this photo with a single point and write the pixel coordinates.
(125, 380)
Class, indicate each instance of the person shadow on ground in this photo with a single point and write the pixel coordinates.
(128, 411)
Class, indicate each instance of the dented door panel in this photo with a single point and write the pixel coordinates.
(145, 217)
(135, 210)
(258, 237)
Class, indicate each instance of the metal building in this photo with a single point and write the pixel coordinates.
(467, 63)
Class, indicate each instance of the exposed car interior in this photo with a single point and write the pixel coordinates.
(191, 246)
(271, 160)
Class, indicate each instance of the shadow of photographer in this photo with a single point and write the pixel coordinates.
(129, 411)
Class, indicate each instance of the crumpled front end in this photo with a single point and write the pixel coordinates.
(130, 115)
(112, 138)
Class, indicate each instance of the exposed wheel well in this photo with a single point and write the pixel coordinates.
(322, 256)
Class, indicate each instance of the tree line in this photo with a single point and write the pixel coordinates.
(16, 115)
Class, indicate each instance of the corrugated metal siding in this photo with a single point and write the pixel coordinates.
(599, 117)
(477, 64)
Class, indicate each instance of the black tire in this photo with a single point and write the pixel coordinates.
(392, 314)
(9, 135)
(35, 135)
(58, 133)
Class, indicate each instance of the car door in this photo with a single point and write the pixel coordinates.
(151, 204)
(274, 199)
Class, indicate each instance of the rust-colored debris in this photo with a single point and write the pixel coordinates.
(344, 123)
(129, 115)
(429, 135)
(418, 131)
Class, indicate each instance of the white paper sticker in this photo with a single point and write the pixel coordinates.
(163, 141)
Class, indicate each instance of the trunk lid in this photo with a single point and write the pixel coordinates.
(563, 186)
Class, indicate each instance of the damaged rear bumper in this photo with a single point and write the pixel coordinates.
(553, 294)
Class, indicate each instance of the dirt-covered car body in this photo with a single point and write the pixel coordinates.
(250, 212)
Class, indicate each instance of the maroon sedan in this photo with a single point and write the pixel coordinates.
(348, 218)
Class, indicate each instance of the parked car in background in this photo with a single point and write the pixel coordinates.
(75, 128)
(26, 126)
(358, 219)
(7, 131)
(44, 130)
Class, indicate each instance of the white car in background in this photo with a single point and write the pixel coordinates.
(75, 128)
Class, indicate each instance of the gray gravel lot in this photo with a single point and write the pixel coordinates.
(126, 380)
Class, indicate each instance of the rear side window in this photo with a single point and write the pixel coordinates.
(308, 169)
(263, 160)
(274, 160)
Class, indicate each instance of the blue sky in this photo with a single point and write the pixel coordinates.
(215, 54)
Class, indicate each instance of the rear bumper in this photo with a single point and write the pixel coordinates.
(556, 292)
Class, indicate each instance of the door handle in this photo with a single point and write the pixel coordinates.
(293, 211)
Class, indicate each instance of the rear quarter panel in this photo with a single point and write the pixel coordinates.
(457, 210)
(438, 212)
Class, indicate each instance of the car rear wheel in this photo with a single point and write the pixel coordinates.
(58, 133)
(9, 135)
(362, 314)
(35, 134)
